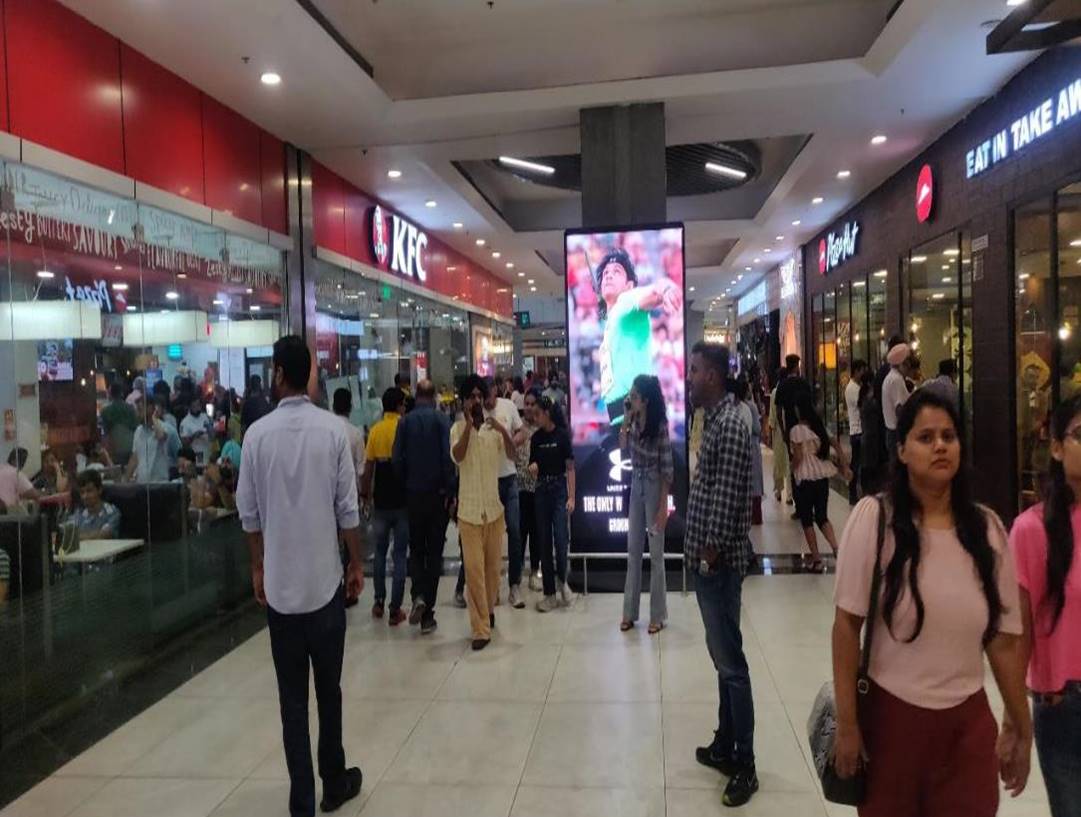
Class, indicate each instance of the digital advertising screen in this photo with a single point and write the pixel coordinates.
(625, 318)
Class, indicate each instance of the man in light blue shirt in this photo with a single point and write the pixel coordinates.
(154, 445)
(297, 490)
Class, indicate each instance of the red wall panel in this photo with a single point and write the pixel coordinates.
(356, 225)
(231, 163)
(272, 156)
(3, 75)
(328, 205)
(64, 82)
(163, 127)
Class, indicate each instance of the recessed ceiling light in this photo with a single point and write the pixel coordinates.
(270, 78)
(46, 274)
(1023, 276)
(780, 238)
(945, 266)
(181, 275)
(856, 284)
(172, 296)
(947, 279)
(817, 200)
(394, 174)
(881, 274)
(938, 296)
(497, 254)
(132, 308)
(953, 252)
(521, 275)
(878, 139)
(481, 242)
(758, 261)
(255, 307)
(510, 265)
(1012, 3)
(796, 223)
(531, 281)
(532, 289)
(373, 315)
(219, 302)
(118, 268)
(725, 170)
(691, 289)
(451, 268)
(918, 259)
(739, 277)
(843, 174)
(120, 287)
(164, 311)
(522, 164)
(457, 225)
(747, 268)
(249, 290)
(430, 203)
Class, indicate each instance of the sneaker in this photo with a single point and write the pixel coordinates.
(536, 582)
(428, 627)
(565, 594)
(377, 609)
(547, 604)
(741, 787)
(515, 598)
(459, 600)
(397, 617)
(353, 781)
(708, 756)
(416, 614)
(480, 643)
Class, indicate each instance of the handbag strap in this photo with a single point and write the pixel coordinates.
(863, 681)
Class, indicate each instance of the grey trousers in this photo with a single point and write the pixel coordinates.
(645, 499)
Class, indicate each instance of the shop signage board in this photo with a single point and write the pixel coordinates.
(838, 246)
(522, 319)
(1063, 106)
(788, 279)
(398, 245)
(925, 194)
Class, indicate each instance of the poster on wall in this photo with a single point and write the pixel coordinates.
(625, 318)
(483, 359)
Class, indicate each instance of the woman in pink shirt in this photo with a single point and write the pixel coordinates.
(948, 598)
(1044, 540)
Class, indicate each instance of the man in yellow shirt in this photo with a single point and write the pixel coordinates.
(383, 496)
(478, 447)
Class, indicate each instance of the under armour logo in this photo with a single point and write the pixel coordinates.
(619, 465)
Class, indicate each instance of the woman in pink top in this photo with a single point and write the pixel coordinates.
(948, 598)
(1044, 540)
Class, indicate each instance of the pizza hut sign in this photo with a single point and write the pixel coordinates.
(397, 244)
(838, 247)
(98, 292)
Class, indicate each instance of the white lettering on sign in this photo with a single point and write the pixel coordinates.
(838, 247)
(408, 245)
(1023, 131)
(98, 292)
(788, 278)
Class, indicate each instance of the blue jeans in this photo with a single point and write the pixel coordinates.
(550, 507)
(384, 521)
(719, 600)
(645, 499)
(508, 495)
(1058, 745)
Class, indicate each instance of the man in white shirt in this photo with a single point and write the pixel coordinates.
(894, 394)
(504, 410)
(297, 490)
(856, 373)
(154, 445)
(195, 431)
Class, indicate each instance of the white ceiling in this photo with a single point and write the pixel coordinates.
(770, 68)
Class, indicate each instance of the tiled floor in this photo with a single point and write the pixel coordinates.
(562, 716)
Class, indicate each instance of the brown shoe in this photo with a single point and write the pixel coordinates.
(377, 610)
(397, 617)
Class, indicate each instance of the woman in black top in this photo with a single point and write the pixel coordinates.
(551, 461)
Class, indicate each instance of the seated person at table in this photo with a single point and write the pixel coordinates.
(215, 488)
(14, 485)
(154, 446)
(96, 519)
(52, 478)
(195, 431)
(231, 450)
(93, 457)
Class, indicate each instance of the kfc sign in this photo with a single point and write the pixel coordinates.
(836, 248)
(925, 194)
(398, 245)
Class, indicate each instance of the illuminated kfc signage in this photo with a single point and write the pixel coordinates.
(837, 247)
(1058, 109)
(398, 245)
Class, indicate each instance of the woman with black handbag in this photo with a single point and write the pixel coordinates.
(918, 726)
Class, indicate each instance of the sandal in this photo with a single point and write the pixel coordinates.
(655, 628)
(625, 625)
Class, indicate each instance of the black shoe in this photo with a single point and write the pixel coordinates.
(416, 615)
(352, 602)
(428, 626)
(480, 643)
(353, 781)
(491, 619)
(741, 787)
(724, 764)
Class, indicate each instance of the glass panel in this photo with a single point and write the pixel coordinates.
(1069, 281)
(829, 362)
(818, 352)
(861, 340)
(963, 355)
(844, 354)
(876, 297)
(1035, 322)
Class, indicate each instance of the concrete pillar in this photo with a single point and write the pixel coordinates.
(623, 165)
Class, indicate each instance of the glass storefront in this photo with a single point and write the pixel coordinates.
(127, 336)
(1047, 321)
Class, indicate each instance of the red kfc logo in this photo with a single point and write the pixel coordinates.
(925, 194)
(380, 236)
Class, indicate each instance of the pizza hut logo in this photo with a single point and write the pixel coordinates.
(837, 247)
(380, 236)
(925, 194)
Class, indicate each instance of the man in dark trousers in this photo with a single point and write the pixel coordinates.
(297, 489)
(422, 462)
(788, 394)
(255, 403)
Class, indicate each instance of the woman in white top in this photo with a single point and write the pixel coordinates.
(812, 469)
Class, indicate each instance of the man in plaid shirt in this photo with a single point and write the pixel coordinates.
(718, 550)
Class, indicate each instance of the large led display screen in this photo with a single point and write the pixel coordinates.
(624, 319)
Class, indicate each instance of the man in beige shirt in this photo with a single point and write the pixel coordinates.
(478, 447)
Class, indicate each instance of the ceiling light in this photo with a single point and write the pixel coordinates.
(497, 254)
(691, 289)
(430, 203)
(817, 200)
(1013, 3)
(181, 275)
(725, 170)
(394, 174)
(780, 238)
(255, 307)
(120, 287)
(739, 277)
(530, 281)
(510, 265)
(856, 284)
(44, 273)
(843, 174)
(532, 289)
(879, 139)
(522, 164)
(132, 308)
(171, 295)
(1076, 242)
(881, 274)
(451, 268)
(938, 296)
(219, 302)
(521, 275)
(457, 225)
(952, 253)
(945, 266)
(796, 223)
(947, 279)
(757, 260)
(249, 290)
(481, 242)
(270, 78)
(118, 268)
(1023, 276)
(918, 259)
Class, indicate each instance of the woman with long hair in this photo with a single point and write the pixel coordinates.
(948, 598)
(781, 466)
(1045, 546)
(812, 468)
(551, 462)
(643, 438)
